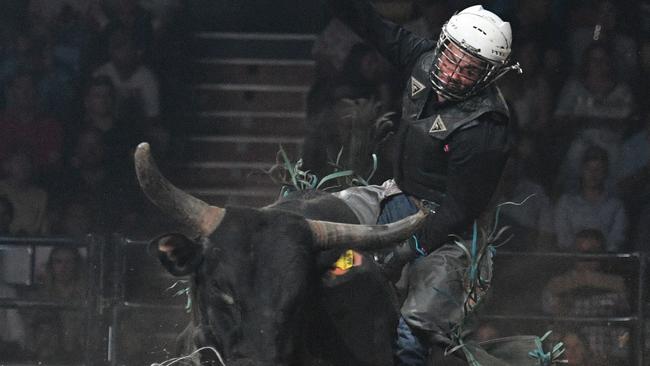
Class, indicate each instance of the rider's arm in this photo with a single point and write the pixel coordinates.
(477, 156)
(398, 45)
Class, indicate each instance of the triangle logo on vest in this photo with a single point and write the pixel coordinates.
(416, 86)
(438, 125)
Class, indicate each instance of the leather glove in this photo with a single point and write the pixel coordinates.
(393, 262)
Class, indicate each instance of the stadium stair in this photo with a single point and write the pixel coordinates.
(249, 92)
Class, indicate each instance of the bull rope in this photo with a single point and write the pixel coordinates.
(172, 361)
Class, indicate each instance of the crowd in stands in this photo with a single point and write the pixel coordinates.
(81, 83)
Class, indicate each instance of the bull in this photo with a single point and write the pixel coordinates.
(257, 277)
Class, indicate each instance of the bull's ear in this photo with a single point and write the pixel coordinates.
(177, 253)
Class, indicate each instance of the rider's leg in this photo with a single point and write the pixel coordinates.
(409, 350)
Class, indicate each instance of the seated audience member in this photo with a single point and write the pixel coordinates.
(51, 78)
(58, 335)
(604, 27)
(132, 17)
(587, 290)
(599, 106)
(137, 87)
(28, 199)
(24, 127)
(92, 174)
(56, 82)
(592, 207)
(100, 113)
(529, 95)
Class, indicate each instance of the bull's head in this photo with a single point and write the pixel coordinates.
(252, 269)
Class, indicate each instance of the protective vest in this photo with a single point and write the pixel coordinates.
(421, 161)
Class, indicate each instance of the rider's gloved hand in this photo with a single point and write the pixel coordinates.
(393, 262)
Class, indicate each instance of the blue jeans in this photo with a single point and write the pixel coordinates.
(409, 350)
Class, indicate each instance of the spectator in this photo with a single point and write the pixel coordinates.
(28, 199)
(56, 83)
(587, 290)
(529, 95)
(603, 25)
(92, 175)
(599, 106)
(595, 91)
(592, 207)
(58, 335)
(19, 56)
(130, 16)
(23, 126)
(118, 134)
(136, 85)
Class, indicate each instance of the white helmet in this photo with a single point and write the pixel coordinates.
(473, 51)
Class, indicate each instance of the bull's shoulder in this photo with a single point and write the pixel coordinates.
(316, 205)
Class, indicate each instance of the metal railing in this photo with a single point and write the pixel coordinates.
(107, 299)
(90, 304)
(635, 321)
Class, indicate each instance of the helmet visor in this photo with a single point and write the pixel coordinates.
(456, 73)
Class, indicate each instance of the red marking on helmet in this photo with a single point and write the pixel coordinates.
(446, 148)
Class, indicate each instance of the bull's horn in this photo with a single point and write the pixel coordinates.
(191, 211)
(329, 235)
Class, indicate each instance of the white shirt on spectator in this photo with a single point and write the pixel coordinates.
(575, 100)
(573, 213)
(142, 84)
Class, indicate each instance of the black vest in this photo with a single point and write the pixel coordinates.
(421, 161)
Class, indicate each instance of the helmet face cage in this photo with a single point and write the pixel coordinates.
(457, 73)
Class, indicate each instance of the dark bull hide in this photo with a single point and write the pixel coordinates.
(257, 291)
